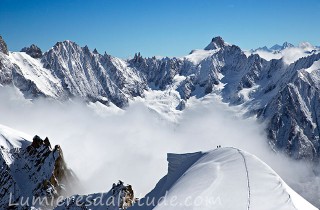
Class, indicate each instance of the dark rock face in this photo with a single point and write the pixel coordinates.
(182, 105)
(3, 46)
(95, 51)
(216, 42)
(33, 51)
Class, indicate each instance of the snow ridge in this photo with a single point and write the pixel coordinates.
(248, 180)
(213, 176)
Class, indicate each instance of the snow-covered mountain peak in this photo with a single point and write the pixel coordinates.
(277, 47)
(216, 42)
(69, 49)
(65, 44)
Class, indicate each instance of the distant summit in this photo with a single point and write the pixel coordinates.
(34, 51)
(277, 47)
(216, 42)
(274, 48)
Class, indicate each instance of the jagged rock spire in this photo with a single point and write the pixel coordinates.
(137, 57)
(95, 51)
(287, 45)
(86, 49)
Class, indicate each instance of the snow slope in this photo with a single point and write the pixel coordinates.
(196, 56)
(10, 138)
(314, 67)
(223, 179)
(33, 70)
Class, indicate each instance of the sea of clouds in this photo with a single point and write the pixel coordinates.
(131, 145)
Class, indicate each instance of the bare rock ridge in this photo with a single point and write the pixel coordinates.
(33, 51)
(284, 95)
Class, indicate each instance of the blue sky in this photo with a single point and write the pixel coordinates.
(158, 27)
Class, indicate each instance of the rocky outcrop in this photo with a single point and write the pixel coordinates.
(119, 197)
(35, 170)
(33, 51)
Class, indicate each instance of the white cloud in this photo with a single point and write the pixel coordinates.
(289, 55)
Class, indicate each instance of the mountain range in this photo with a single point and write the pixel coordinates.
(282, 92)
